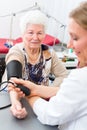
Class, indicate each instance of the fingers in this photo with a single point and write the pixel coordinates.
(21, 81)
(15, 89)
(18, 111)
(21, 94)
(17, 80)
(25, 83)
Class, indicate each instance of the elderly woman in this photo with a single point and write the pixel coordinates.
(37, 59)
(68, 108)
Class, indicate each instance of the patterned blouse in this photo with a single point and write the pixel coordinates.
(36, 73)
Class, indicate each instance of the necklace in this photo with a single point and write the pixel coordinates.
(32, 58)
(34, 72)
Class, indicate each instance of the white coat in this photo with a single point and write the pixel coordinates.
(68, 109)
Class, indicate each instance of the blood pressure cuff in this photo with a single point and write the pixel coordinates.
(14, 69)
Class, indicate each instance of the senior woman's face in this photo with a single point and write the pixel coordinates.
(78, 40)
(33, 36)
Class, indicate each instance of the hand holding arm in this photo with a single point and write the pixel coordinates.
(37, 90)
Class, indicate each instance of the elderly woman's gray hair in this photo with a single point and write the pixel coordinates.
(33, 17)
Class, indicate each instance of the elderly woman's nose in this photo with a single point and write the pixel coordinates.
(35, 36)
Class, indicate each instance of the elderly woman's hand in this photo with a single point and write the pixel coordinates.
(17, 110)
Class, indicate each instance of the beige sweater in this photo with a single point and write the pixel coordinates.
(54, 66)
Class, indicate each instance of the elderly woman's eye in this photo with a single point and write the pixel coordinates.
(30, 33)
(40, 33)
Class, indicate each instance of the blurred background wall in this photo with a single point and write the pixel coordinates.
(56, 10)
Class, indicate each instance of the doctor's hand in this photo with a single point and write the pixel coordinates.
(12, 87)
(32, 86)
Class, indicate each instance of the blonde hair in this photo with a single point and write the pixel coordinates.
(79, 14)
(33, 17)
